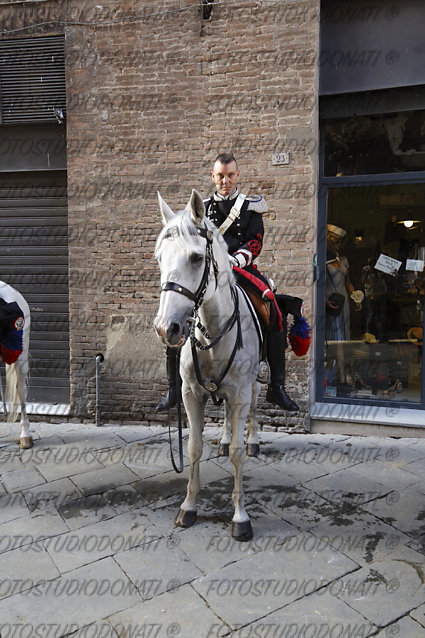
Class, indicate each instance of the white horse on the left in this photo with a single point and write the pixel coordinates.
(17, 373)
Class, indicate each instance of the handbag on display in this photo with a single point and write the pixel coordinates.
(338, 300)
(335, 298)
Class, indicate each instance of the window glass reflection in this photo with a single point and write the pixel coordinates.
(374, 292)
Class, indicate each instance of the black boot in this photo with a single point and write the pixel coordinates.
(276, 392)
(170, 399)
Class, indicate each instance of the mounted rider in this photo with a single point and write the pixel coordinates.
(239, 219)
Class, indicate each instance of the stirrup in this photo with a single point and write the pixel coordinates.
(263, 375)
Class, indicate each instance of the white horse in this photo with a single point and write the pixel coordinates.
(220, 360)
(17, 373)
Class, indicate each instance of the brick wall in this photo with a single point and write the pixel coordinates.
(153, 95)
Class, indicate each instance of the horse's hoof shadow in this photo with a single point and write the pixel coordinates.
(223, 449)
(25, 442)
(252, 449)
(242, 531)
(185, 519)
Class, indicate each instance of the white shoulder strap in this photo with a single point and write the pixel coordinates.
(235, 211)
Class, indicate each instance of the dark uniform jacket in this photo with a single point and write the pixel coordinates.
(246, 233)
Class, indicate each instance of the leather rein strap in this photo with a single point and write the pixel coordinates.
(212, 385)
(197, 298)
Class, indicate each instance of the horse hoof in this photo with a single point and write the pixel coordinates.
(223, 449)
(26, 442)
(185, 519)
(242, 531)
(252, 449)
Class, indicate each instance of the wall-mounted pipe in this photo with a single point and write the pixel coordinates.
(99, 359)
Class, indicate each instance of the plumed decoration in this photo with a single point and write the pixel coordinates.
(300, 336)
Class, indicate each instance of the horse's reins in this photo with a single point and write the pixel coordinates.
(197, 297)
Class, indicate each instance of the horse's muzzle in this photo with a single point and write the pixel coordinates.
(171, 332)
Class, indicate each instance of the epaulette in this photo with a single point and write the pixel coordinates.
(257, 204)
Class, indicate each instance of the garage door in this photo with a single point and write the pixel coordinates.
(34, 260)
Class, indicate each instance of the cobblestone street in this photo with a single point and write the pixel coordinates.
(88, 545)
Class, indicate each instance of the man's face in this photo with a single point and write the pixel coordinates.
(225, 177)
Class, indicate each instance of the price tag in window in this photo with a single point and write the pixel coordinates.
(417, 265)
(388, 264)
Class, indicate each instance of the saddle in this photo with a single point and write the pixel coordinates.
(261, 307)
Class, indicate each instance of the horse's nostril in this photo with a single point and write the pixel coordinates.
(174, 329)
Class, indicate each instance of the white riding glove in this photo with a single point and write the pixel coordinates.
(238, 259)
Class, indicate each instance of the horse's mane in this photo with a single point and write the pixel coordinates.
(182, 230)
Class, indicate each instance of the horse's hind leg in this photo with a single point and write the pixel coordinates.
(195, 411)
(22, 369)
(253, 444)
(241, 526)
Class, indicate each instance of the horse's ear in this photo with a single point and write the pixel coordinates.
(165, 210)
(196, 207)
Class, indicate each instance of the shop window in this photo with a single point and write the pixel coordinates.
(371, 144)
(376, 247)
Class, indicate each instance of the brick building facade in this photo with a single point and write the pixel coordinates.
(153, 93)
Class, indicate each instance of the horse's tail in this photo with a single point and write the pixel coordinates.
(11, 396)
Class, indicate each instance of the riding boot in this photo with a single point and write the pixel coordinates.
(276, 392)
(170, 399)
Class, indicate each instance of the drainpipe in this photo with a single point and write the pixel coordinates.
(99, 359)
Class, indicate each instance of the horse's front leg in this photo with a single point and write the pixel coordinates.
(253, 443)
(224, 445)
(195, 413)
(238, 411)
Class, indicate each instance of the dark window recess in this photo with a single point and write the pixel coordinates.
(32, 80)
(370, 144)
(34, 260)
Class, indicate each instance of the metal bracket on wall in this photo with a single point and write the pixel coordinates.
(205, 10)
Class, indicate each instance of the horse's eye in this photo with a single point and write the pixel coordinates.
(196, 259)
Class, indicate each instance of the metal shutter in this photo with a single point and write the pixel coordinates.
(34, 259)
(32, 79)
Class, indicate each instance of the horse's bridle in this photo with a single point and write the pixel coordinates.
(197, 296)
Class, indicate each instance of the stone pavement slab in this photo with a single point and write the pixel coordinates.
(99, 540)
(180, 612)
(12, 506)
(75, 599)
(64, 461)
(255, 586)
(404, 628)
(320, 614)
(157, 567)
(374, 591)
(89, 548)
(404, 510)
(24, 568)
(51, 495)
(419, 615)
(360, 535)
(30, 529)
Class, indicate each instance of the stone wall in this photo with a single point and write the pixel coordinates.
(154, 93)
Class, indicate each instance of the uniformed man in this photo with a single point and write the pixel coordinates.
(239, 219)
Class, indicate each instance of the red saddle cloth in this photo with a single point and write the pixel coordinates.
(11, 331)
